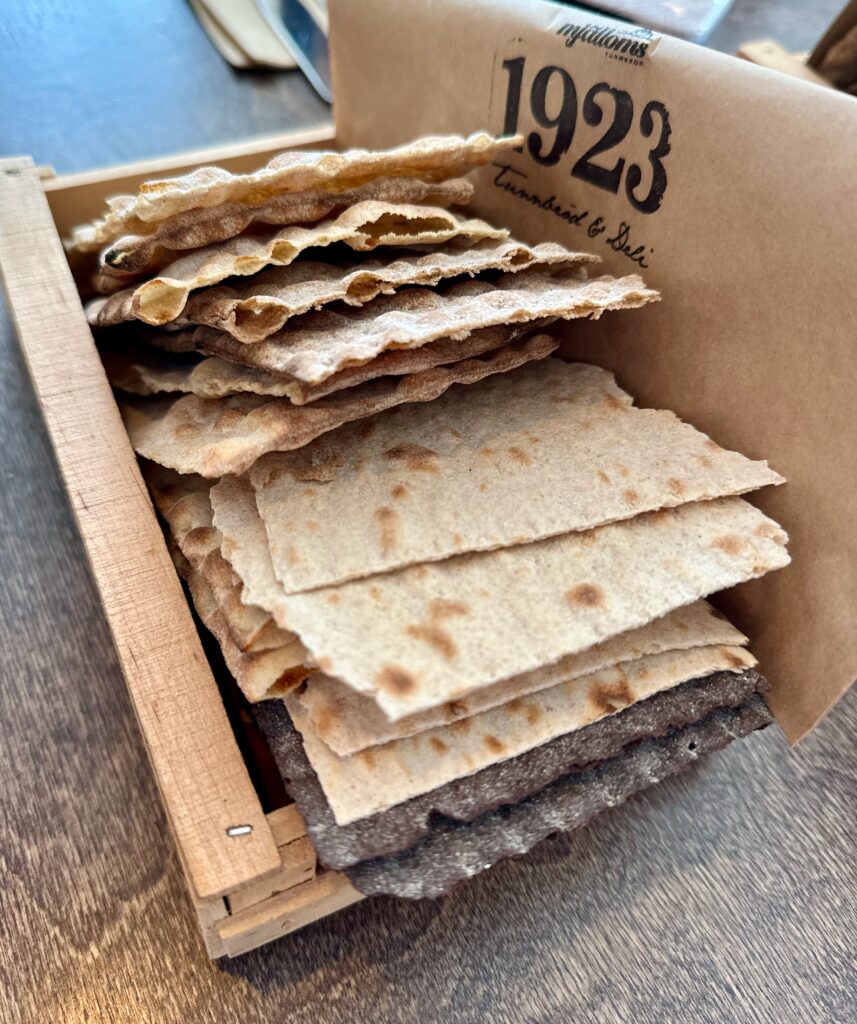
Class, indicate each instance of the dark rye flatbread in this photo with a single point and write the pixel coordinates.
(455, 851)
(507, 782)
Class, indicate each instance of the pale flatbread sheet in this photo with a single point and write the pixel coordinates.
(141, 370)
(433, 158)
(362, 227)
(349, 722)
(320, 344)
(134, 254)
(381, 777)
(261, 675)
(552, 448)
(422, 636)
(213, 437)
(184, 504)
(257, 307)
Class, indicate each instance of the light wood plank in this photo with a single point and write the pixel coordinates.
(286, 824)
(286, 912)
(77, 198)
(199, 769)
(298, 864)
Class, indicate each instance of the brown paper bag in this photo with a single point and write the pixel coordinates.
(730, 188)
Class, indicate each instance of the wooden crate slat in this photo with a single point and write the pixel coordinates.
(286, 912)
(199, 769)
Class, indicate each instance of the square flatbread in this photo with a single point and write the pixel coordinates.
(443, 478)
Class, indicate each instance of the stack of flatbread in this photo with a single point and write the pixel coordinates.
(465, 580)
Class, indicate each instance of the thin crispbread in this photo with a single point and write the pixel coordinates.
(261, 675)
(504, 783)
(418, 637)
(253, 308)
(135, 254)
(214, 437)
(362, 227)
(348, 722)
(184, 504)
(142, 370)
(378, 778)
(432, 158)
(320, 344)
(444, 478)
(456, 851)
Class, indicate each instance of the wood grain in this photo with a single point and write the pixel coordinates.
(725, 897)
(199, 768)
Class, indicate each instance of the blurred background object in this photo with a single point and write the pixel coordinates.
(832, 62)
(277, 34)
(690, 19)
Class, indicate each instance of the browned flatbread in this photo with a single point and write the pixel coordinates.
(433, 158)
(214, 437)
(133, 255)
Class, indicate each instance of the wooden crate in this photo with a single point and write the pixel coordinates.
(252, 877)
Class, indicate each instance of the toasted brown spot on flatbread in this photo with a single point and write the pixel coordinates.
(443, 608)
(456, 433)
(310, 492)
(399, 492)
(631, 496)
(462, 726)
(200, 535)
(729, 544)
(415, 457)
(312, 524)
(611, 697)
(228, 418)
(292, 556)
(456, 709)
(586, 595)
(603, 477)
(487, 451)
(187, 430)
(388, 528)
(494, 745)
(767, 530)
(612, 402)
(483, 487)
(436, 636)
(675, 486)
(732, 658)
(533, 714)
(333, 598)
(520, 456)
(438, 745)
(367, 758)
(365, 429)
(623, 469)
(704, 460)
(457, 539)
(395, 679)
(375, 592)
(515, 705)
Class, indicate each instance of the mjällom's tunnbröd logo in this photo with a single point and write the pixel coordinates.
(628, 45)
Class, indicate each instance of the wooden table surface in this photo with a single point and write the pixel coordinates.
(727, 895)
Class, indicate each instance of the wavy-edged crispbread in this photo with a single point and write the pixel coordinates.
(213, 437)
(257, 307)
(318, 345)
(134, 255)
(142, 370)
(433, 158)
